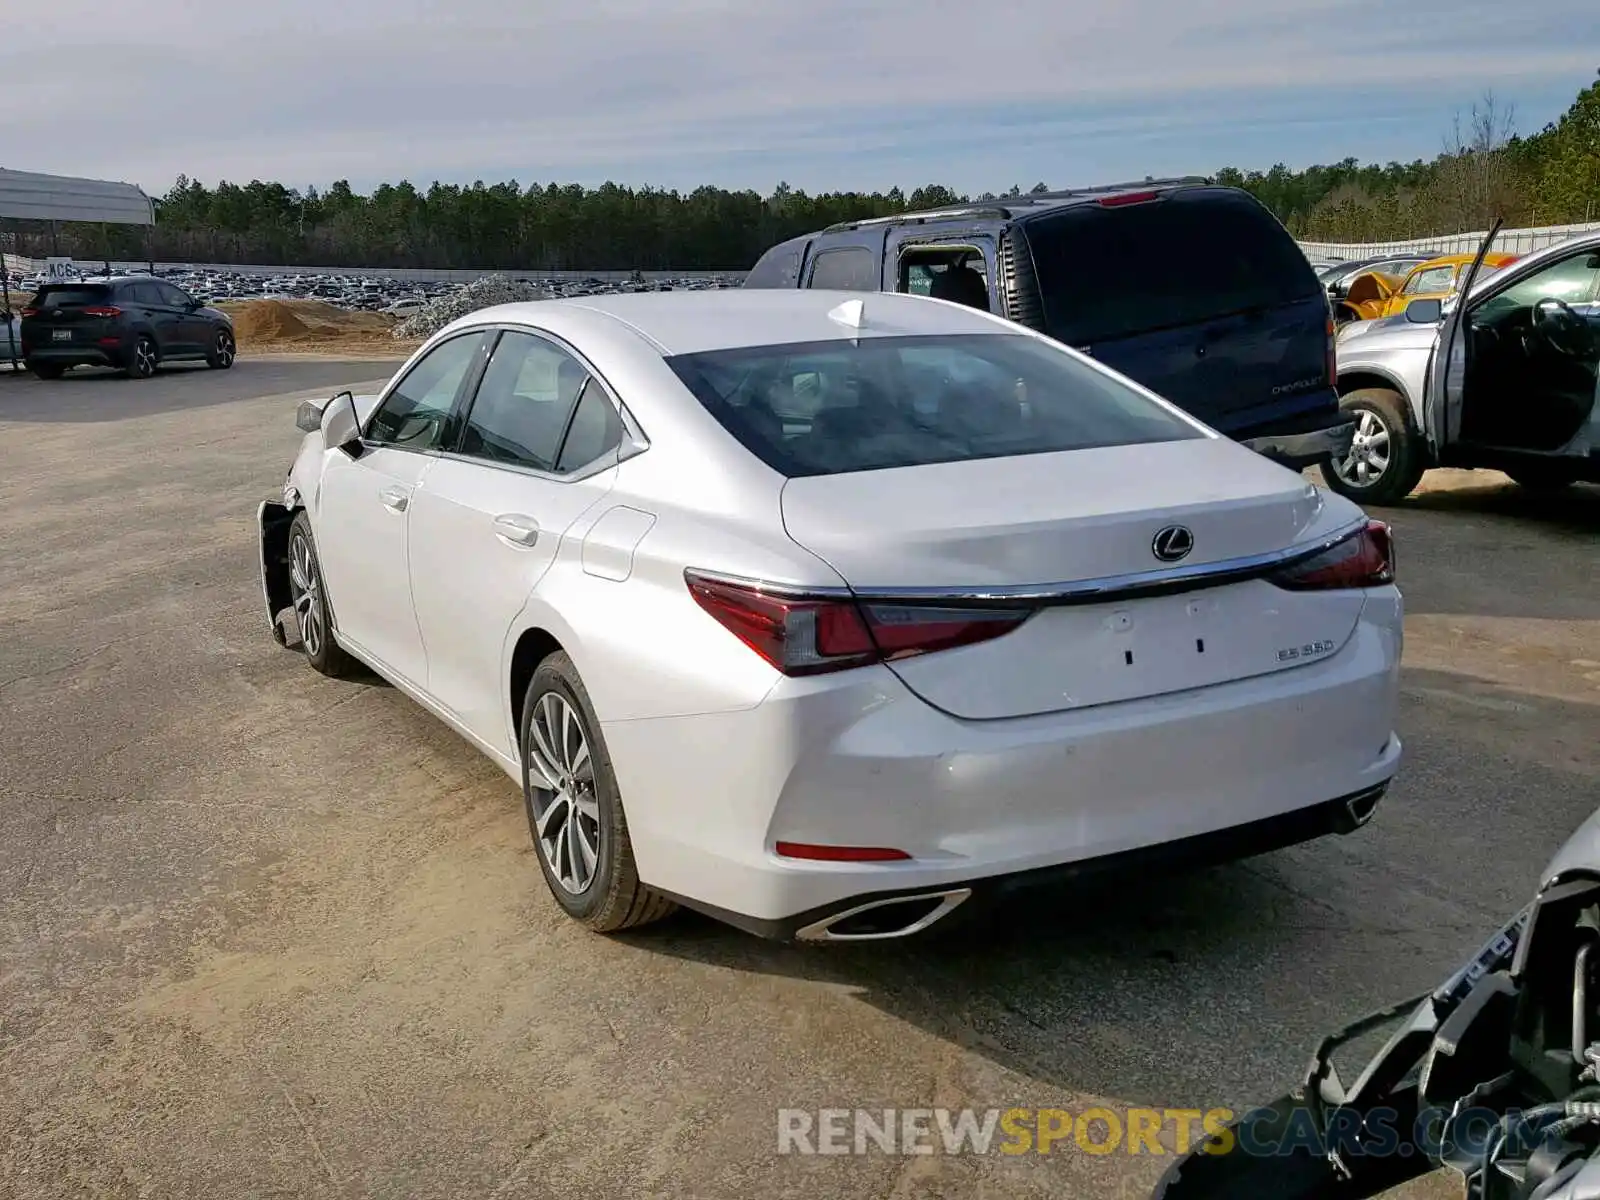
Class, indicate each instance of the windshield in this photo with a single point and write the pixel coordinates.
(823, 408)
(1197, 255)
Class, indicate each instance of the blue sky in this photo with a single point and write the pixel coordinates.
(826, 94)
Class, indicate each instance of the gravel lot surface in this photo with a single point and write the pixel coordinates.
(267, 934)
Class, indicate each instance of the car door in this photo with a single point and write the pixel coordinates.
(537, 450)
(362, 509)
(1533, 356)
(193, 328)
(145, 308)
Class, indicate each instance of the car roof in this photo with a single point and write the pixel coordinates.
(720, 319)
(1007, 208)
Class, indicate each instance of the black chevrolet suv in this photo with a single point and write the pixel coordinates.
(1194, 290)
(131, 322)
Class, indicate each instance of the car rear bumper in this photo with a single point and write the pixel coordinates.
(1306, 449)
(987, 806)
(77, 356)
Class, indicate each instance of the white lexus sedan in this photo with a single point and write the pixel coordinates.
(826, 614)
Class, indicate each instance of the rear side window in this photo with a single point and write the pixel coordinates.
(70, 296)
(779, 267)
(825, 408)
(520, 413)
(1198, 254)
(851, 269)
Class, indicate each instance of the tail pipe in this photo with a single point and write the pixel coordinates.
(878, 920)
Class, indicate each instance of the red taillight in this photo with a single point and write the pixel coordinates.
(1333, 353)
(102, 312)
(809, 634)
(30, 312)
(1128, 198)
(841, 853)
(1364, 559)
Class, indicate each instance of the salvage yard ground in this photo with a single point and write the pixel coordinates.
(264, 933)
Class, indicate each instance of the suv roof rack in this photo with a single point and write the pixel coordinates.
(1005, 207)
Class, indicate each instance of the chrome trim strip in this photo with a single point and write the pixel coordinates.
(1082, 591)
(821, 931)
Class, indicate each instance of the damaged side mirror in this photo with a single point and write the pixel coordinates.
(341, 427)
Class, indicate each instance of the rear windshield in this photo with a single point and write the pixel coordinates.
(70, 296)
(825, 408)
(1111, 272)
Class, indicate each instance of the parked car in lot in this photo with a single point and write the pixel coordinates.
(1519, 395)
(824, 613)
(1194, 290)
(1339, 278)
(1437, 278)
(135, 323)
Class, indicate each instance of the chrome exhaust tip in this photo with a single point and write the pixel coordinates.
(878, 920)
(1358, 809)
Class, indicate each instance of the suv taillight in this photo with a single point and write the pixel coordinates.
(102, 311)
(803, 634)
(1364, 559)
(30, 312)
(1333, 352)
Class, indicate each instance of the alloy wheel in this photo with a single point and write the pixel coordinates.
(224, 351)
(306, 592)
(144, 359)
(566, 811)
(1370, 452)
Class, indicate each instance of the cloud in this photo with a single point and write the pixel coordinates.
(640, 90)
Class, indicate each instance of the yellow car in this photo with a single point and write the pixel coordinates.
(1438, 278)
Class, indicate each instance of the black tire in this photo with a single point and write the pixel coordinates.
(1544, 477)
(613, 898)
(1401, 470)
(221, 354)
(47, 370)
(311, 608)
(142, 358)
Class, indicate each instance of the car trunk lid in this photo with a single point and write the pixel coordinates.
(1074, 535)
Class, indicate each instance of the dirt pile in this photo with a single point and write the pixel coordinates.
(309, 327)
(267, 321)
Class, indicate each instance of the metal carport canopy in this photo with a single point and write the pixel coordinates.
(26, 195)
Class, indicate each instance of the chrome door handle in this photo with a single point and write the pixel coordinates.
(395, 499)
(516, 529)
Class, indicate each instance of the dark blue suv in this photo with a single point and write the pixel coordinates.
(132, 322)
(1194, 290)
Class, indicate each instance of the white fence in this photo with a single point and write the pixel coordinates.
(1510, 241)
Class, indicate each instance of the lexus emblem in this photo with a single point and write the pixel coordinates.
(1172, 543)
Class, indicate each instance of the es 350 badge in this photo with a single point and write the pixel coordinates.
(1309, 650)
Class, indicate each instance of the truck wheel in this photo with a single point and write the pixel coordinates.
(1387, 458)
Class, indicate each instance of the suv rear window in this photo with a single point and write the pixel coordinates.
(825, 408)
(1198, 254)
(70, 296)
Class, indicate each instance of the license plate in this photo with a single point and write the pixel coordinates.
(61, 335)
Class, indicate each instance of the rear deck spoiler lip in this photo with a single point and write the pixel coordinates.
(1163, 580)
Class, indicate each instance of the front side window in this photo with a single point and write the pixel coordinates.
(1571, 281)
(416, 413)
(1434, 279)
(825, 408)
(520, 414)
(852, 269)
